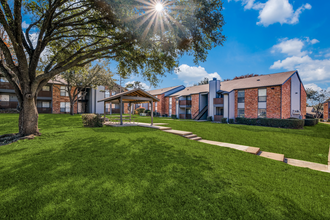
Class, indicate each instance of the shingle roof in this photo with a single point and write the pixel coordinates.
(161, 91)
(139, 93)
(192, 90)
(256, 81)
(252, 82)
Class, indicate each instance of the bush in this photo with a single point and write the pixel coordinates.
(92, 120)
(139, 110)
(148, 112)
(231, 121)
(272, 122)
(224, 120)
(173, 116)
(311, 122)
(209, 118)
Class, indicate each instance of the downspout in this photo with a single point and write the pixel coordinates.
(52, 98)
(281, 102)
(95, 102)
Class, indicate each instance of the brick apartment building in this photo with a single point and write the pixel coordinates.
(279, 95)
(53, 98)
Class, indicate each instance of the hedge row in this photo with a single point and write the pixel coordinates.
(311, 122)
(272, 122)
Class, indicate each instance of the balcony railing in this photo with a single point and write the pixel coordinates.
(185, 102)
(5, 85)
(218, 101)
(45, 94)
(218, 117)
(44, 110)
(5, 105)
(185, 116)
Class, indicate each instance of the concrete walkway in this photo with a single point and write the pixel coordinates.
(248, 149)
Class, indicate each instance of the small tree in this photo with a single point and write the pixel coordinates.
(135, 85)
(202, 82)
(317, 98)
(79, 79)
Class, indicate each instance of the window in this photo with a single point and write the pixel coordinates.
(240, 96)
(219, 111)
(262, 95)
(188, 97)
(46, 88)
(106, 94)
(219, 95)
(65, 106)
(63, 91)
(188, 111)
(156, 104)
(261, 113)
(45, 104)
(3, 79)
(240, 113)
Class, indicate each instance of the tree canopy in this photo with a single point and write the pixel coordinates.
(65, 34)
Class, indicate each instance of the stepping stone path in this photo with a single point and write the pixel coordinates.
(248, 149)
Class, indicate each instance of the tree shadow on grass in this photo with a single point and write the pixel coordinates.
(139, 178)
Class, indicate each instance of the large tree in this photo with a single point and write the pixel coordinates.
(138, 35)
(317, 98)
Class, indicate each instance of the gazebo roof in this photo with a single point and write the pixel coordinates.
(135, 95)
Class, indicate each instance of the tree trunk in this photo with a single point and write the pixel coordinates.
(71, 108)
(28, 117)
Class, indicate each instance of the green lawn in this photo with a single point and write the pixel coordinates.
(310, 144)
(72, 172)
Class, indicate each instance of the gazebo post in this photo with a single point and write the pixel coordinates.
(130, 111)
(104, 111)
(121, 110)
(152, 113)
(110, 108)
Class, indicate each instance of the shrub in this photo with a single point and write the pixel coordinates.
(139, 110)
(92, 120)
(209, 118)
(272, 122)
(329, 120)
(231, 121)
(148, 112)
(173, 116)
(311, 122)
(224, 120)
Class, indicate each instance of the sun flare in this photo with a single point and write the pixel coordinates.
(159, 7)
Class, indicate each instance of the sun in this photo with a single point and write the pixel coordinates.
(159, 7)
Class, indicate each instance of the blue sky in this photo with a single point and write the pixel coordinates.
(263, 37)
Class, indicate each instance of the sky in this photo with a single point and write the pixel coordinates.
(264, 37)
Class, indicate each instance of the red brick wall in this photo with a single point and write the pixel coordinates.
(303, 101)
(236, 94)
(173, 106)
(326, 111)
(251, 103)
(160, 105)
(57, 99)
(194, 104)
(166, 105)
(273, 102)
(286, 99)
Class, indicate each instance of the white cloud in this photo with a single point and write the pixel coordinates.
(192, 74)
(144, 85)
(291, 47)
(274, 11)
(309, 69)
(314, 41)
(313, 86)
(25, 25)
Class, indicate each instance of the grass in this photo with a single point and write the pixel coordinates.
(72, 172)
(310, 144)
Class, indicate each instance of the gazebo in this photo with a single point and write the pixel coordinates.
(135, 96)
